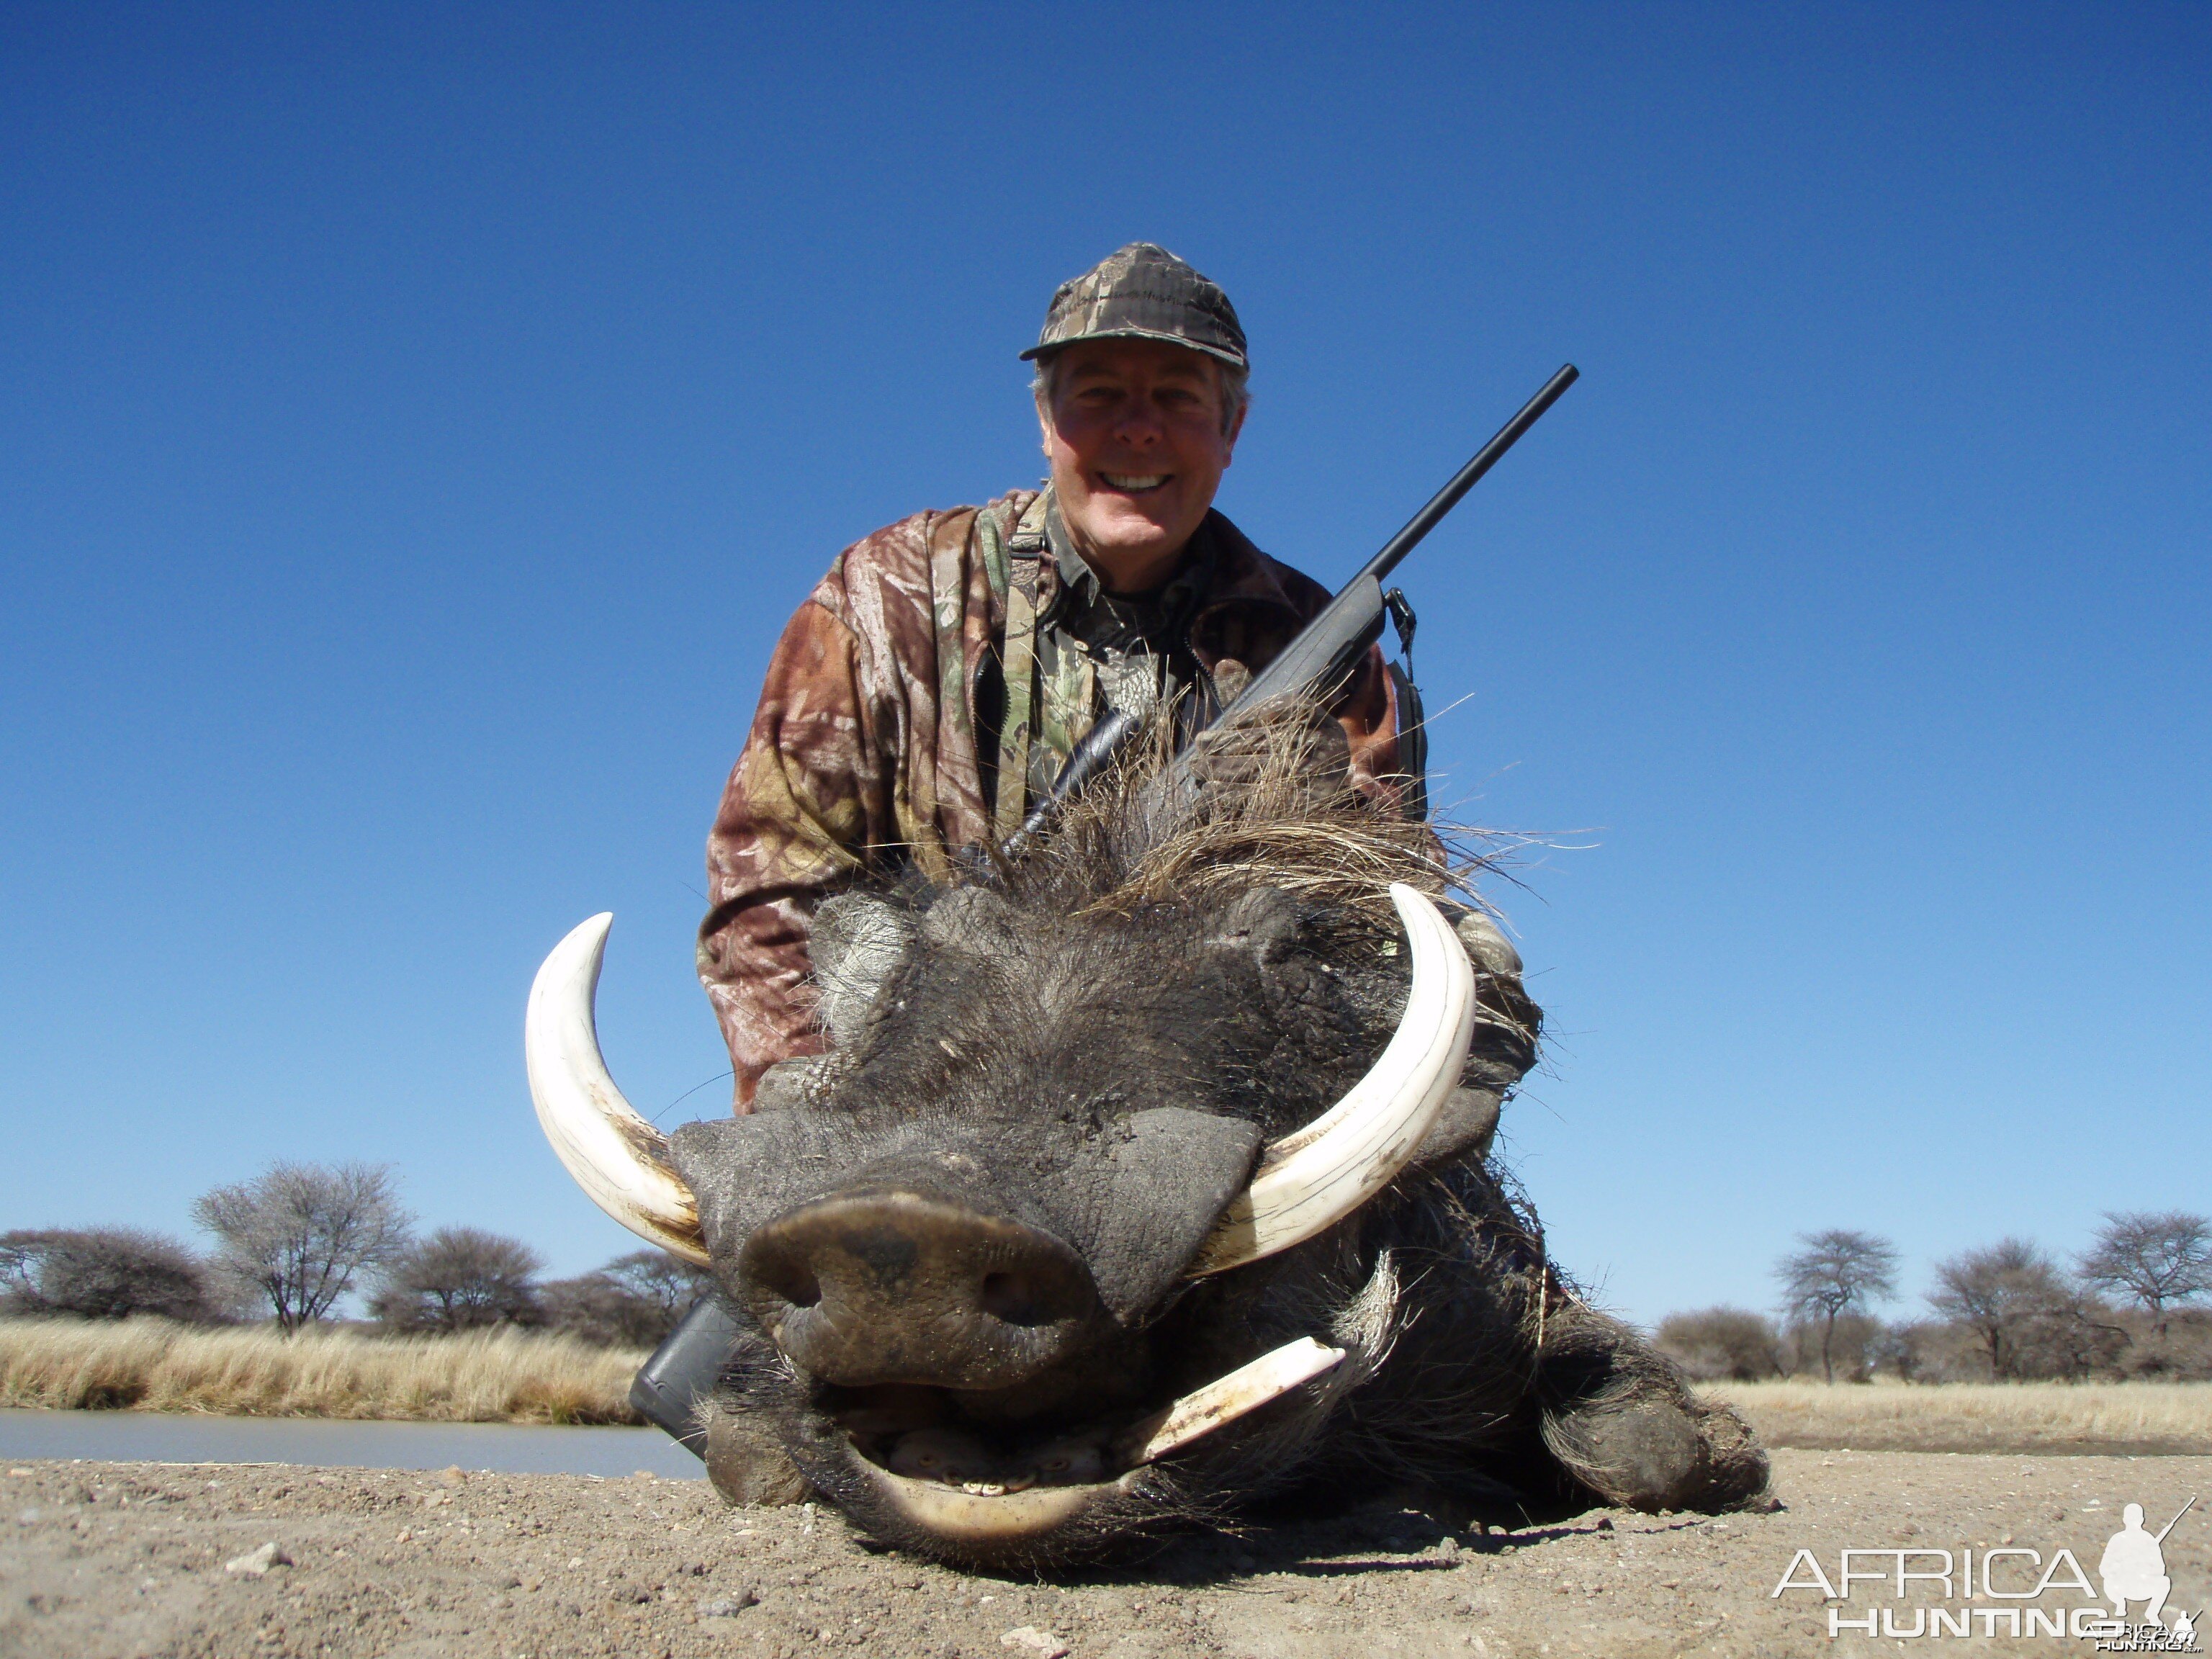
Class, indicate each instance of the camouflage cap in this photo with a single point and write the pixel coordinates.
(1143, 292)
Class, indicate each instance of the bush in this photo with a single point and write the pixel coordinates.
(1845, 1352)
(102, 1272)
(1929, 1350)
(1722, 1344)
(459, 1279)
(2172, 1345)
(634, 1301)
(596, 1309)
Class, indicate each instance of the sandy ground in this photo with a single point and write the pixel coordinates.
(129, 1558)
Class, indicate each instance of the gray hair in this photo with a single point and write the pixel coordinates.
(1235, 384)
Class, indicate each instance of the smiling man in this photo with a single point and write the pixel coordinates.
(933, 685)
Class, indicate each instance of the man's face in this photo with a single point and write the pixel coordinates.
(1134, 433)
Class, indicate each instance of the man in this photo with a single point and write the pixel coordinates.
(928, 692)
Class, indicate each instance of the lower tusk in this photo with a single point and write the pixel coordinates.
(1226, 1399)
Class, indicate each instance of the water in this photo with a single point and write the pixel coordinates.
(506, 1448)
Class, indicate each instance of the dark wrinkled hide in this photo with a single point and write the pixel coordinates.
(971, 1222)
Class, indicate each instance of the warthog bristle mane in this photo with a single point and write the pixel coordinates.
(1273, 813)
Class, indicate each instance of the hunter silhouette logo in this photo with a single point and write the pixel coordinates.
(1987, 1591)
(2134, 1568)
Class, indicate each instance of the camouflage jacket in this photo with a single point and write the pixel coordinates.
(867, 755)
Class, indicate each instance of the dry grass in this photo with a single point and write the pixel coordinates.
(1980, 1417)
(503, 1375)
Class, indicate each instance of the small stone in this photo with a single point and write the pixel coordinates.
(728, 1607)
(1446, 1551)
(1042, 1643)
(1605, 1523)
(21, 1474)
(451, 1475)
(255, 1564)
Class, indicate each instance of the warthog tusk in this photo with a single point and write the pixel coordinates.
(1226, 1399)
(1311, 1180)
(617, 1157)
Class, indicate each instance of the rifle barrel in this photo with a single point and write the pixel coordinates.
(1466, 478)
(2176, 1521)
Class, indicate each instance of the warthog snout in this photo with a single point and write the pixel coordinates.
(895, 1286)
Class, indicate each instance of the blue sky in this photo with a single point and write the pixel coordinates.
(417, 422)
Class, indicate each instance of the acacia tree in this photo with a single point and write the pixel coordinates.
(299, 1234)
(2001, 1294)
(2156, 1261)
(459, 1278)
(1837, 1271)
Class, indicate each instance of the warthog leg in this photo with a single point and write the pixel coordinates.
(1618, 1416)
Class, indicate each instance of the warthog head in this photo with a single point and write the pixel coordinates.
(1144, 1177)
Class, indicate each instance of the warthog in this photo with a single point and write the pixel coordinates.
(1147, 1178)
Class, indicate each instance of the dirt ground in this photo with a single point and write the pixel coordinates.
(101, 1560)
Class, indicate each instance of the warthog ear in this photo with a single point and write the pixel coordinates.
(859, 939)
(1464, 1126)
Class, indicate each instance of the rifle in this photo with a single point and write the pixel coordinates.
(1326, 651)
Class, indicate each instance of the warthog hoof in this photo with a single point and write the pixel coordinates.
(1646, 1453)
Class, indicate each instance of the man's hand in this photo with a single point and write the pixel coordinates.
(1288, 738)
